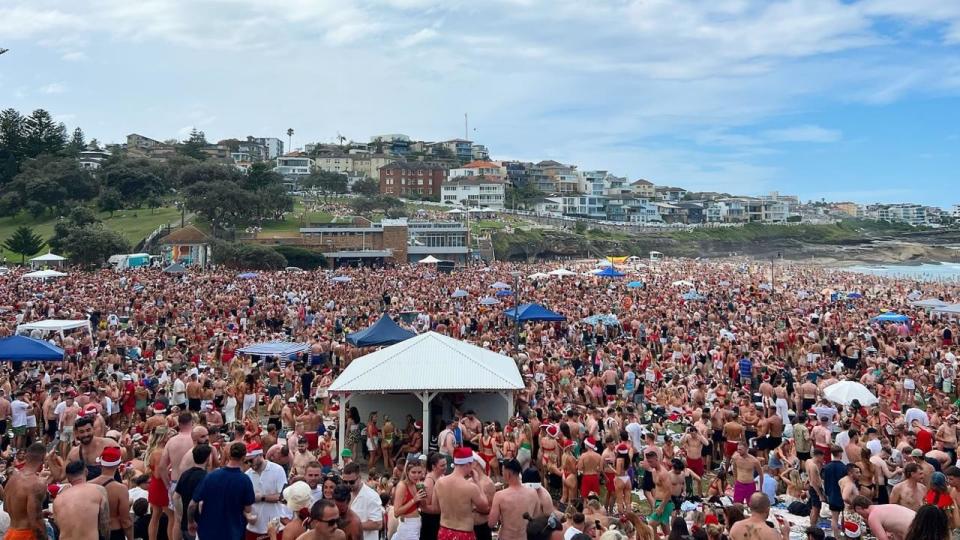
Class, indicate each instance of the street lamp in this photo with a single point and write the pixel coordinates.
(516, 309)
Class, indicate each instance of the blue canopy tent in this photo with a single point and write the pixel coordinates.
(383, 332)
(459, 293)
(23, 348)
(533, 312)
(891, 317)
(247, 275)
(342, 279)
(503, 292)
(500, 285)
(488, 301)
(610, 272)
(693, 296)
(635, 285)
(283, 349)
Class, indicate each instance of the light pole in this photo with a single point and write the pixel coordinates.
(516, 309)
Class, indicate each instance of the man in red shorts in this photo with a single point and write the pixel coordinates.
(458, 496)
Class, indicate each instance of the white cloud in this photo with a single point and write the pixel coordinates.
(23, 22)
(421, 36)
(74, 56)
(807, 133)
(53, 88)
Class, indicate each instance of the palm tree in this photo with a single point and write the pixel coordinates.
(290, 139)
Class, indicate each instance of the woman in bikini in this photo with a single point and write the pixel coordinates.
(622, 483)
(373, 441)
(408, 497)
(386, 442)
(569, 470)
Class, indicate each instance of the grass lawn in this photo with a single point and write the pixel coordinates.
(292, 222)
(134, 225)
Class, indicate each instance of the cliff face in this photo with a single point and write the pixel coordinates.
(552, 244)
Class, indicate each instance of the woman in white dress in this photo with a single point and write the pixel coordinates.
(230, 407)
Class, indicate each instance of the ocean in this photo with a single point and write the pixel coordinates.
(921, 272)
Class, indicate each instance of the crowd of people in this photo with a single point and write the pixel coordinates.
(673, 415)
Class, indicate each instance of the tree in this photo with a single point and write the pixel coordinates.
(327, 182)
(222, 204)
(110, 201)
(246, 256)
(43, 135)
(79, 217)
(366, 186)
(25, 242)
(54, 182)
(301, 257)
(12, 143)
(194, 145)
(77, 143)
(208, 172)
(260, 176)
(136, 180)
(93, 245)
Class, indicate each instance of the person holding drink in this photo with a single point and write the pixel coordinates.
(409, 496)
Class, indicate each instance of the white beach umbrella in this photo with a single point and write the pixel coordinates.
(844, 392)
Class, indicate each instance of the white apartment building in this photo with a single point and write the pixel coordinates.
(486, 169)
(293, 165)
(475, 191)
(273, 145)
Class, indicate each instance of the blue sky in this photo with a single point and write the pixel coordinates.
(844, 100)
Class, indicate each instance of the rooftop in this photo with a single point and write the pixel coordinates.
(186, 235)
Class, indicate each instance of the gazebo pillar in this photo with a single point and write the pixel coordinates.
(342, 427)
(509, 397)
(425, 399)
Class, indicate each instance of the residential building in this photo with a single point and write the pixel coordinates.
(369, 165)
(955, 211)
(848, 209)
(293, 168)
(92, 156)
(475, 191)
(219, 152)
(242, 160)
(914, 214)
(256, 150)
(585, 206)
(791, 203)
(406, 178)
(480, 152)
(669, 194)
(392, 143)
(552, 177)
(487, 169)
(336, 163)
(462, 149)
(516, 172)
(145, 147)
(632, 209)
(549, 205)
(273, 146)
(644, 189)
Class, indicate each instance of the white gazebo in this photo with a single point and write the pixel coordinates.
(49, 259)
(429, 259)
(53, 325)
(391, 380)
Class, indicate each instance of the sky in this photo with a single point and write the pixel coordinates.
(844, 100)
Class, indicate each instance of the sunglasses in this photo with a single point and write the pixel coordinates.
(350, 482)
(331, 522)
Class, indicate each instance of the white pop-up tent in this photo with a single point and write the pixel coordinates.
(48, 259)
(53, 325)
(43, 274)
(391, 380)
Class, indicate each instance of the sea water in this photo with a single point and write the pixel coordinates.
(921, 272)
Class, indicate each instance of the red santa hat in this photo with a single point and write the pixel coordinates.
(254, 449)
(591, 443)
(568, 443)
(159, 408)
(111, 456)
(90, 409)
(462, 456)
(418, 425)
(53, 490)
(851, 529)
(623, 448)
(553, 431)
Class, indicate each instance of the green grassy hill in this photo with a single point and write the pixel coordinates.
(134, 225)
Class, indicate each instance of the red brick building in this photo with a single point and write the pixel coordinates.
(403, 178)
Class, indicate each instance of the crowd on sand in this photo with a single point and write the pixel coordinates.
(676, 415)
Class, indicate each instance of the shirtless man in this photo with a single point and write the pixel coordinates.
(157, 419)
(23, 499)
(746, 471)
(692, 443)
(769, 434)
(755, 527)
(68, 415)
(886, 521)
(118, 498)
(678, 480)
(589, 467)
(194, 394)
(850, 485)
(301, 457)
(663, 506)
(472, 427)
(81, 509)
(458, 495)
(481, 528)
(610, 382)
(50, 420)
(199, 435)
(733, 436)
(511, 503)
(808, 393)
(90, 447)
(172, 459)
(815, 493)
(947, 435)
(910, 492)
(821, 436)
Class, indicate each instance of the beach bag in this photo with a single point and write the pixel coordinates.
(799, 508)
